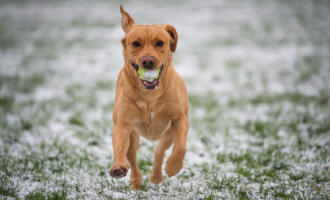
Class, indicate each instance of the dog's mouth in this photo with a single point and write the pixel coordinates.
(149, 78)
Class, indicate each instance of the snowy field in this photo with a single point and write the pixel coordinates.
(257, 74)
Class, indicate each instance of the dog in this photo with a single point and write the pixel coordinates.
(156, 109)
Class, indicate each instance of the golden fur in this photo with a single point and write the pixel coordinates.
(156, 114)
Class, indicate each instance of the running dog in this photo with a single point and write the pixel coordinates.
(151, 101)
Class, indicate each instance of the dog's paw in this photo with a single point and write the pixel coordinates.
(136, 185)
(156, 178)
(118, 171)
(173, 167)
(136, 181)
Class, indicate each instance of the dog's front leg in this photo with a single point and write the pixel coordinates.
(136, 176)
(175, 161)
(120, 143)
(164, 143)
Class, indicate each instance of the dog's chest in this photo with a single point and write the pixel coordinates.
(152, 123)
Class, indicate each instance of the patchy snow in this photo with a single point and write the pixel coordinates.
(233, 51)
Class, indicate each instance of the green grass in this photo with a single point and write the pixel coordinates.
(247, 140)
(40, 195)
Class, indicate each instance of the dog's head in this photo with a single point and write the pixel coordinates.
(147, 49)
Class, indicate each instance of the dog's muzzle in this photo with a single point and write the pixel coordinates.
(148, 84)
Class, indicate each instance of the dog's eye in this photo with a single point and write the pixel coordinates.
(159, 43)
(136, 44)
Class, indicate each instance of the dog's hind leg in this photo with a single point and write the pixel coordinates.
(164, 143)
(136, 177)
(175, 161)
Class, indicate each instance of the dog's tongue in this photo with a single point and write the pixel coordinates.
(147, 83)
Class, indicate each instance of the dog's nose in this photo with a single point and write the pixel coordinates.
(148, 62)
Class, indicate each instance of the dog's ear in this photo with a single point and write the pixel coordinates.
(123, 42)
(174, 37)
(126, 20)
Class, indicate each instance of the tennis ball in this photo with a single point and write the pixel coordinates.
(148, 75)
